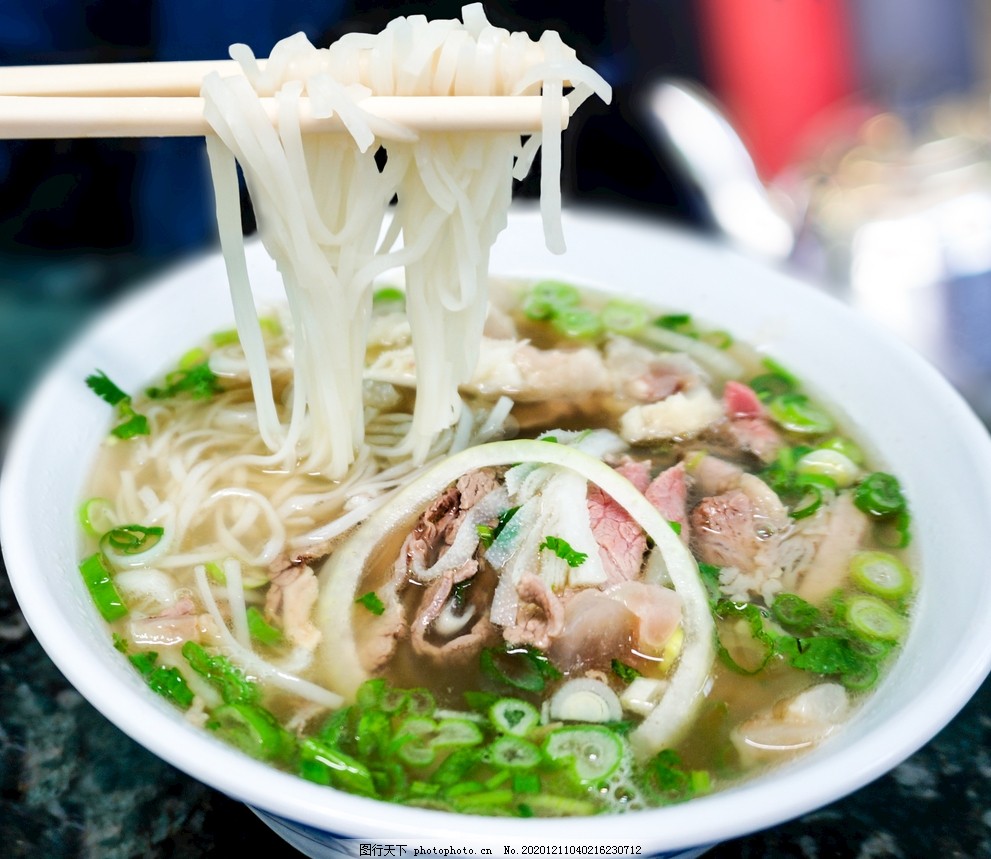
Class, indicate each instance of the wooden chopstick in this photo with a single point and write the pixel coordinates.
(53, 116)
(113, 79)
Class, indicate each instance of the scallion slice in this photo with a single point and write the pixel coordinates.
(795, 412)
(881, 574)
(98, 577)
(514, 716)
(456, 732)
(97, 516)
(872, 618)
(578, 323)
(623, 317)
(514, 753)
(595, 752)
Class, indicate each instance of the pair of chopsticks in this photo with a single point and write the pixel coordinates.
(162, 100)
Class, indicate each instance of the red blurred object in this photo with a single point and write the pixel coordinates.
(776, 65)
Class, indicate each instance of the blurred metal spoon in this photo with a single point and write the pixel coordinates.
(707, 147)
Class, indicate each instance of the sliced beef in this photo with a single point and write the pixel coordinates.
(748, 425)
(595, 628)
(444, 632)
(668, 492)
(292, 595)
(741, 527)
(620, 539)
(539, 614)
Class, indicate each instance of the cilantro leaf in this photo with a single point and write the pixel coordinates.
(562, 548)
(624, 672)
(131, 422)
(99, 383)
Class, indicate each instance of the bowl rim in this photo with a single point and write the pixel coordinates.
(709, 819)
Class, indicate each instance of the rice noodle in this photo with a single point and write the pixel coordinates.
(254, 664)
(453, 196)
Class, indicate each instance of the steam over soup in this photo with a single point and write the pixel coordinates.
(642, 565)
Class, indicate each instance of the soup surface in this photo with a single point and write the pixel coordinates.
(643, 565)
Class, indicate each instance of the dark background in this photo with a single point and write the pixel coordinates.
(81, 222)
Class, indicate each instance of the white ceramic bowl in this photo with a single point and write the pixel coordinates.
(897, 404)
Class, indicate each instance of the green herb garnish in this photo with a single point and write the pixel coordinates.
(562, 548)
(197, 380)
(372, 602)
(131, 423)
(624, 672)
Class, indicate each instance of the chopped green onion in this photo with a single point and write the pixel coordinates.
(216, 572)
(577, 323)
(551, 805)
(562, 548)
(132, 423)
(411, 739)
(193, 358)
(513, 716)
(872, 618)
(623, 317)
(455, 767)
(98, 577)
(514, 753)
(456, 732)
(261, 630)
(372, 733)
(97, 516)
(829, 463)
(675, 322)
(795, 412)
(234, 687)
(329, 765)
(555, 294)
(250, 728)
(881, 574)
(809, 503)
(372, 602)
(132, 539)
(225, 338)
(166, 681)
(388, 295)
(843, 445)
(861, 678)
(879, 495)
(526, 782)
(593, 751)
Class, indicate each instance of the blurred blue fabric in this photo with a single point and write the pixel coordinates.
(151, 196)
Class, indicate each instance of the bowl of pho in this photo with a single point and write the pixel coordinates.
(441, 521)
